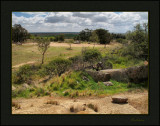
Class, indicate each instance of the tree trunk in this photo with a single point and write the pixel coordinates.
(94, 46)
(42, 58)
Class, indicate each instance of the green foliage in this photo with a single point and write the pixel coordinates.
(59, 37)
(91, 55)
(117, 36)
(19, 34)
(21, 93)
(139, 38)
(104, 36)
(57, 66)
(77, 37)
(43, 45)
(39, 92)
(85, 34)
(23, 74)
(94, 37)
(51, 39)
(123, 57)
(123, 41)
(75, 84)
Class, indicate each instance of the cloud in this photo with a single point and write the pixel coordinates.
(84, 14)
(77, 21)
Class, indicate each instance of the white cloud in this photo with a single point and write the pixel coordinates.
(77, 21)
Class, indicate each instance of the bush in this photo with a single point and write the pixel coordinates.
(57, 66)
(123, 41)
(91, 55)
(52, 38)
(108, 65)
(24, 74)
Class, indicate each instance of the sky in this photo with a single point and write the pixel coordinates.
(115, 22)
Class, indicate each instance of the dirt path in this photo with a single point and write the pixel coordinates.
(30, 62)
(137, 104)
(55, 44)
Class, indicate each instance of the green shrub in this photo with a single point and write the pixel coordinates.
(57, 66)
(108, 65)
(51, 38)
(123, 41)
(76, 58)
(40, 92)
(91, 55)
(24, 73)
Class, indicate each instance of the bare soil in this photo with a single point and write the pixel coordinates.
(77, 45)
(137, 104)
(30, 62)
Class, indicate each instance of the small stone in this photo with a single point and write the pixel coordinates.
(85, 78)
(119, 99)
(13, 88)
(25, 86)
(108, 83)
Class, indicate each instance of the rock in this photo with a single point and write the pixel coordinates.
(136, 74)
(108, 83)
(119, 99)
(77, 42)
(116, 74)
(13, 88)
(76, 107)
(25, 86)
(98, 76)
(85, 78)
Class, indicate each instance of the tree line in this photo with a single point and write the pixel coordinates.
(101, 36)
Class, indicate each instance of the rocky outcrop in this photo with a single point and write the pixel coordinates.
(136, 74)
(98, 76)
(116, 74)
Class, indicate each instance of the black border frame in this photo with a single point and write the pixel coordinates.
(6, 9)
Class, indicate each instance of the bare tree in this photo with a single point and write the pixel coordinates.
(70, 43)
(43, 45)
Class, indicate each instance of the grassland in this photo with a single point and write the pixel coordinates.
(72, 85)
(26, 53)
(30, 53)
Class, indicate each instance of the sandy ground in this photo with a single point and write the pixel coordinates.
(76, 45)
(30, 62)
(137, 104)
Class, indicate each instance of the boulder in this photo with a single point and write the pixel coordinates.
(119, 99)
(116, 74)
(98, 76)
(136, 74)
(108, 83)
